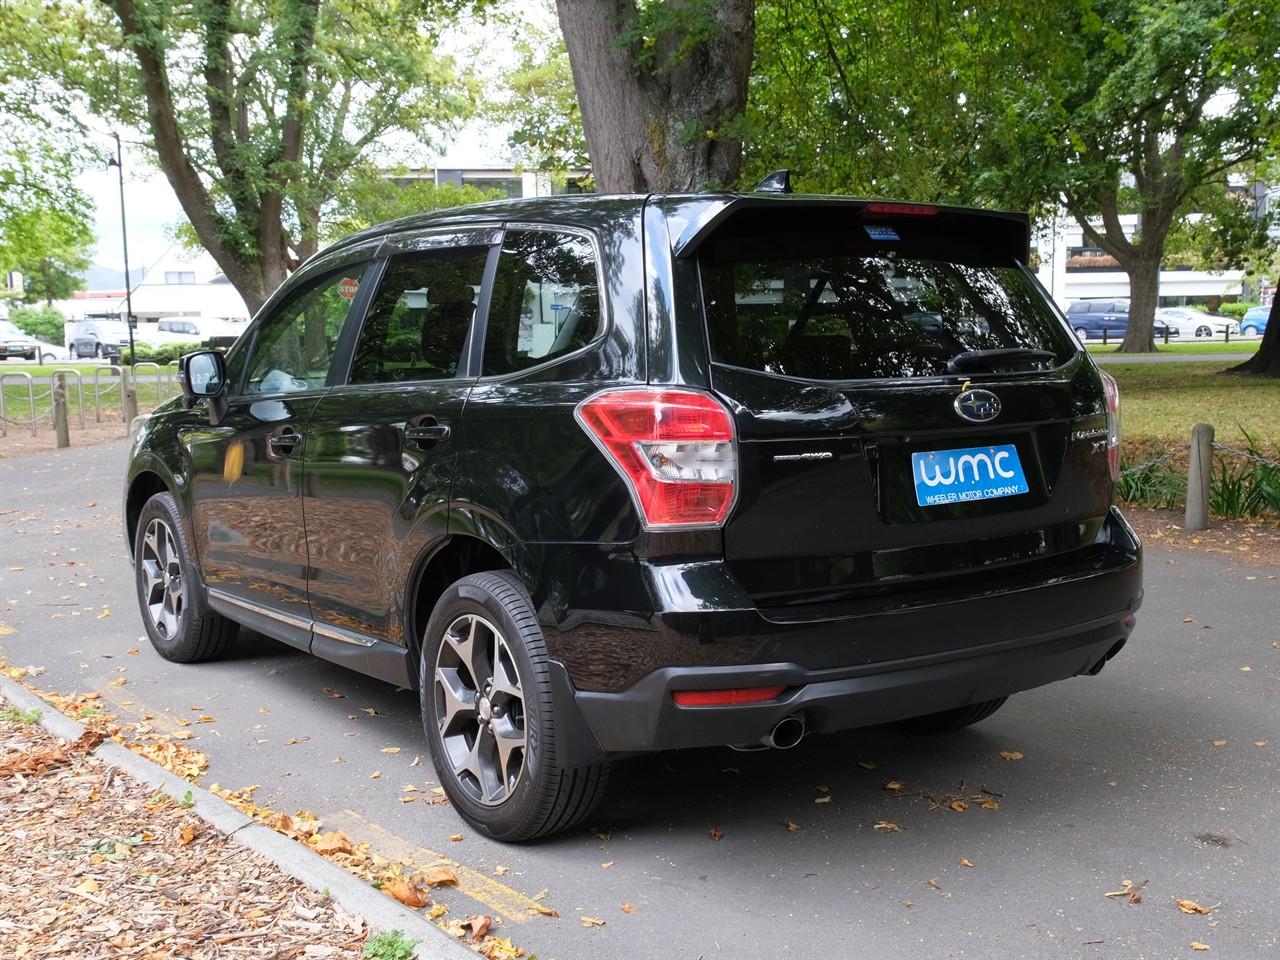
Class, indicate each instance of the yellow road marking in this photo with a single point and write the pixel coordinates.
(498, 897)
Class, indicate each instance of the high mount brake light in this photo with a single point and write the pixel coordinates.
(674, 448)
(899, 209)
(1112, 391)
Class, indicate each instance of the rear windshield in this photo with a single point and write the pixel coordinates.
(891, 303)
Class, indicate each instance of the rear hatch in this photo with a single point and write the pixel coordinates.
(913, 417)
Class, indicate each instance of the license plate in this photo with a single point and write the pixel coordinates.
(971, 473)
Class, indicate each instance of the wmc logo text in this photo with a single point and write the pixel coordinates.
(974, 473)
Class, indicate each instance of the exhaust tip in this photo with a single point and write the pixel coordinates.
(787, 732)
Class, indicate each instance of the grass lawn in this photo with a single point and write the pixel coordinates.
(1192, 346)
(17, 406)
(1163, 401)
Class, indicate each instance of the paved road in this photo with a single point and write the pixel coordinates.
(1120, 779)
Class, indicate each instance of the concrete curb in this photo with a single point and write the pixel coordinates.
(379, 911)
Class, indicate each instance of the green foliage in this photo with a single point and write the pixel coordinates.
(187, 800)
(1233, 310)
(43, 323)
(163, 353)
(379, 198)
(27, 718)
(51, 247)
(541, 106)
(389, 945)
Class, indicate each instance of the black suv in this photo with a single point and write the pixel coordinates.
(603, 475)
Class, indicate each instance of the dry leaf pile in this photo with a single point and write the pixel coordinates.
(93, 863)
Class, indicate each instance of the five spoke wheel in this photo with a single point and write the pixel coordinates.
(479, 708)
(163, 588)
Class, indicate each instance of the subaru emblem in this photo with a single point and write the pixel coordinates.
(978, 406)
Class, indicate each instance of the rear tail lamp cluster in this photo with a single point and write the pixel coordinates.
(725, 698)
(674, 448)
(1112, 391)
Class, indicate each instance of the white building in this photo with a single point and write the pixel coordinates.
(1072, 269)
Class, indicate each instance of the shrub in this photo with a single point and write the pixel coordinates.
(1234, 310)
(162, 353)
(42, 322)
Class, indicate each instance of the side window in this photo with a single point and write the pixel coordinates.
(545, 300)
(418, 321)
(295, 345)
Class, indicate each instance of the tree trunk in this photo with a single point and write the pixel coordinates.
(1266, 362)
(656, 126)
(1143, 268)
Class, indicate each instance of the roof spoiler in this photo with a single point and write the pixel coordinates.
(692, 222)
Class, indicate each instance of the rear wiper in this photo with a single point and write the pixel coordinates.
(988, 359)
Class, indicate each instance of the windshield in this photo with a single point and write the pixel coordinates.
(839, 308)
(7, 329)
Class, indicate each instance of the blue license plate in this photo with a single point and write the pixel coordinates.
(971, 473)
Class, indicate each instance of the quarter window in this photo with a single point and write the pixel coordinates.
(545, 301)
(419, 319)
(295, 346)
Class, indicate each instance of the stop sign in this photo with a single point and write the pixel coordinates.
(348, 287)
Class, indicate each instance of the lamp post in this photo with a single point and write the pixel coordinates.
(118, 162)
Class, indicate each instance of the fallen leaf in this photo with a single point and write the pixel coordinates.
(1197, 945)
(390, 749)
(990, 805)
(966, 862)
(106, 612)
(438, 911)
(1260, 743)
(538, 908)
(895, 785)
(606, 866)
(479, 925)
(1188, 620)
(500, 871)
(1129, 890)
(205, 719)
(1190, 906)
(792, 827)
(1011, 754)
(1219, 743)
(439, 877)
(332, 842)
(292, 740)
(119, 682)
(376, 775)
(826, 799)
(714, 834)
(959, 806)
(1246, 669)
(867, 764)
(592, 922)
(333, 694)
(416, 761)
(628, 908)
(186, 834)
(456, 837)
(401, 889)
(888, 826)
(133, 652)
(87, 885)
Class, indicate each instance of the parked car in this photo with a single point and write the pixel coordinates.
(605, 475)
(15, 343)
(1193, 323)
(1254, 321)
(195, 330)
(1090, 318)
(103, 339)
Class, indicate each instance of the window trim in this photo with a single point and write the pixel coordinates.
(486, 235)
(606, 315)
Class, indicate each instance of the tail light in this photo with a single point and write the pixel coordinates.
(674, 448)
(725, 698)
(1112, 392)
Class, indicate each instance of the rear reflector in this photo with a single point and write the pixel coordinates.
(725, 698)
(899, 210)
(673, 447)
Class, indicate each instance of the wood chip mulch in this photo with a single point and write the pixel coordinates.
(1248, 543)
(94, 864)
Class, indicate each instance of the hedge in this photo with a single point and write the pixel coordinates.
(42, 322)
(1234, 310)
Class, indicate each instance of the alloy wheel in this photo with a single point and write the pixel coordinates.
(164, 590)
(479, 709)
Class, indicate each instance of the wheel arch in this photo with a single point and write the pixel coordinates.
(454, 557)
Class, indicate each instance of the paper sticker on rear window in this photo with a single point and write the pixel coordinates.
(881, 233)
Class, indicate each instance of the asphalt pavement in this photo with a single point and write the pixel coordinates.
(1161, 771)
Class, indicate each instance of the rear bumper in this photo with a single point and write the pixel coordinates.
(1009, 633)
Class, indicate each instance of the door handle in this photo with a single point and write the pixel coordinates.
(285, 442)
(426, 430)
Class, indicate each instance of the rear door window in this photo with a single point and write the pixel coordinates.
(834, 305)
(419, 319)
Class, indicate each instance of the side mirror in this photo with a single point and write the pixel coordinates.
(203, 376)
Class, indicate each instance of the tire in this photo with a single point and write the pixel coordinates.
(1249, 331)
(97, 351)
(531, 795)
(948, 721)
(1082, 333)
(1203, 331)
(178, 620)
(71, 353)
(47, 359)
